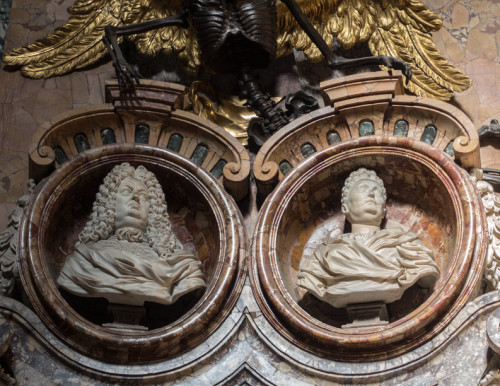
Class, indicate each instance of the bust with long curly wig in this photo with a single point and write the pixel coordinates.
(102, 220)
(127, 251)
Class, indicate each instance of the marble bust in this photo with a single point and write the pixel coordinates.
(370, 264)
(128, 252)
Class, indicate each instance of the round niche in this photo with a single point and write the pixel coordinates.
(427, 194)
(204, 219)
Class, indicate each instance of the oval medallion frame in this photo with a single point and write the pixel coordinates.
(226, 258)
(270, 269)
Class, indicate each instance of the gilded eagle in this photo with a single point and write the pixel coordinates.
(392, 28)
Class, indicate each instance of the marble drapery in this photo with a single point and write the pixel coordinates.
(376, 266)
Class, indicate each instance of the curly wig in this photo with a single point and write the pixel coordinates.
(101, 225)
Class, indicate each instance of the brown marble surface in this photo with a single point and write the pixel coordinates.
(446, 213)
(246, 347)
(469, 38)
(56, 215)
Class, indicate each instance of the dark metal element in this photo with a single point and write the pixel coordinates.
(296, 105)
(238, 36)
(299, 104)
(491, 130)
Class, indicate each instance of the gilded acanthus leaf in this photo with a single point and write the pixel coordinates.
(168, 40)
(433, 76)
(399, 28)
(74, 45)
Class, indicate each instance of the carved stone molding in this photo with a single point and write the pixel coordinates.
(247, 346)
(491, 205)
(60, 208)
(147, 116)
(362, 105)
(428, 195)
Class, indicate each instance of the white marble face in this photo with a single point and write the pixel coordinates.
(366, 204)
(132, 205)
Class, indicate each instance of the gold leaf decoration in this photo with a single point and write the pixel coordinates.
(399, 28)
(76, 44)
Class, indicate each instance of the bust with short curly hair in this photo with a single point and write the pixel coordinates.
(361, 174)
(127, 251)
(369, 264)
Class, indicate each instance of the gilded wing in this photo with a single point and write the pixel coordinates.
(398, 28)
(181, 41)
(77, 43)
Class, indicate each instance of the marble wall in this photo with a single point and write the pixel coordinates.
(470, 38)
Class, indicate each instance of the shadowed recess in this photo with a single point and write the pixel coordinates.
(429, 134)
(199, 154)
(366, 128)
(175, 142)
(401, 128)
(141, 134)
(108, 136)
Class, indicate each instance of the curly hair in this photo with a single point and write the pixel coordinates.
(361, 174)
(102, 220)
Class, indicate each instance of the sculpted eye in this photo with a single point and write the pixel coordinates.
(126, 190)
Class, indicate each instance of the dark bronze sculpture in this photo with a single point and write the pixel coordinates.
(237, 36)
(242, 35)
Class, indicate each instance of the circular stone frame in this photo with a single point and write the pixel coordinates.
(224, 283)
(454, 289)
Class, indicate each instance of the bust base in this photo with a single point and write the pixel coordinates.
(126, 317)
(363, 315)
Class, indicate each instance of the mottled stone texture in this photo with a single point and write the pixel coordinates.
(246, 348)
(212, 221)
(469, 39)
